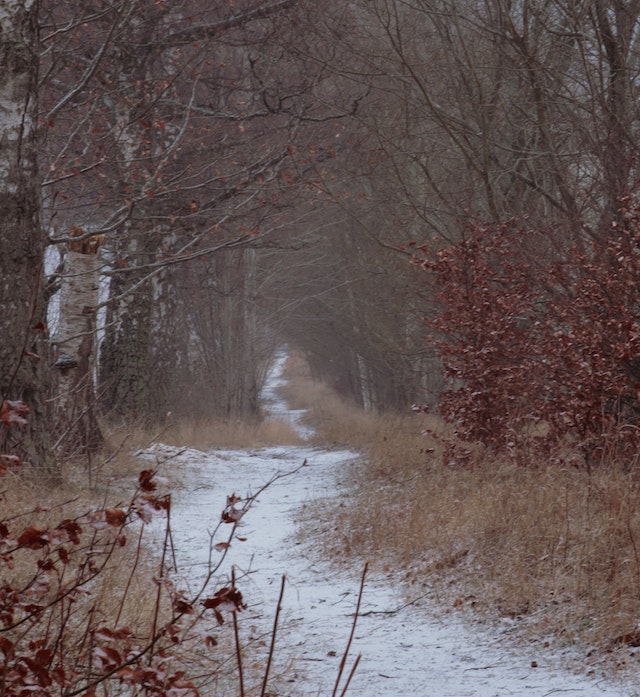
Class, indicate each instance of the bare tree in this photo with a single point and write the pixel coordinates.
(23, 426)
(166, 149)
(466, 111)
(511, 108)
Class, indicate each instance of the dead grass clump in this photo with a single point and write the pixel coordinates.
(29, 503)
(557, 548)
(207, 434)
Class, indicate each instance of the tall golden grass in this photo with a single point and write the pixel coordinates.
(209, 434)
(557, 548)
(133, 590)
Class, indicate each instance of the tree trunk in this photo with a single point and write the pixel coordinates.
(22, 243)
(77, 426)
(125, 370)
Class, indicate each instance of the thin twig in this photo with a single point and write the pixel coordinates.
(273, 639)
(351, 635)
(160, 581)
(134, 568)
(237, 638)
(351, 674)
(393, 612)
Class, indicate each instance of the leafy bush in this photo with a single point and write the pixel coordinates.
(67, 592)
(539, 345)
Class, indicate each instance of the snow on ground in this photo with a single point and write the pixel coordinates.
(411, 650)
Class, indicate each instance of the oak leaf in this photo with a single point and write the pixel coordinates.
(12, 412)
(115, 517)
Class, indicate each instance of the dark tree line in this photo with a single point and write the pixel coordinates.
(251, 173)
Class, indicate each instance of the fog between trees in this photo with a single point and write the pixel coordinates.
(253, 173)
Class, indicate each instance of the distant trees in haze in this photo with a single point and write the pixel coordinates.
(476, 114)
(259, 172)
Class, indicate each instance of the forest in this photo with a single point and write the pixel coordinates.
(434, 201)
(432, 204)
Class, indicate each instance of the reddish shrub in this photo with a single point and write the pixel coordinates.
(539, 341)
(57, 634)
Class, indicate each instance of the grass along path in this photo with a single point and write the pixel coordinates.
(406, 647)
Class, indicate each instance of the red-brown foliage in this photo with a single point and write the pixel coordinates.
(540, 343)
(57, 636)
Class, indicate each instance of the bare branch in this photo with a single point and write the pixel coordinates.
(210, 31)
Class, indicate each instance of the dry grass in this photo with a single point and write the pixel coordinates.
(204, 434)
(210, 434)
(124, 593)
(30, 502)
(341, 423)
(556, 551)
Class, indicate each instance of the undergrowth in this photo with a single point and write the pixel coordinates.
(92, 601)
(550, 552)
(208, 434)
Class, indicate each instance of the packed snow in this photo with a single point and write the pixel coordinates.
(406, 648)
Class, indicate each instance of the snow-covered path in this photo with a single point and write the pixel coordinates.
(407, 651)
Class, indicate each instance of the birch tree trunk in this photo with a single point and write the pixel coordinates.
(22, 243)
(75, 405)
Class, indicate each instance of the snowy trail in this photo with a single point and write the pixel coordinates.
(405, 651)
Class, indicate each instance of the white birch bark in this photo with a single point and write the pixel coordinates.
(79, 293)
(78, 299)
